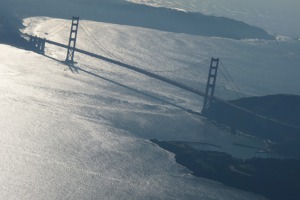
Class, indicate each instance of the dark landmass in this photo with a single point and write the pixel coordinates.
(274, 117)
(9, 33)
(275, 179)
(285, 108)
(278, 121)
(183, 22)
(130, 14)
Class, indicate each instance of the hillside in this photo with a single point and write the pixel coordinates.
(272, 117)
(285, 108)
(9, 32)
(126, 13)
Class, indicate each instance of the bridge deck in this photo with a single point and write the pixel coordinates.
(133, 68)
(166, 80)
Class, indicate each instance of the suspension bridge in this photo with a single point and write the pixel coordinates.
(179, 80)
(216, 67)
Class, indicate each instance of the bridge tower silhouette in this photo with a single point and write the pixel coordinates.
(211, 83)
(72, 40)
(37, 44)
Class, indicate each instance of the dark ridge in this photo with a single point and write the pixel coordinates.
(279, 116)
(276, 179)
(283, 107)
(9, 33)
(126, 13)
(184, 22)
(279, 121)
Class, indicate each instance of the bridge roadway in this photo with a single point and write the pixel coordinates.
(133, 68)
(166, 80)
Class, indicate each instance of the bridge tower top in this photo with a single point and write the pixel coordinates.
(72, 40)
(211, 83)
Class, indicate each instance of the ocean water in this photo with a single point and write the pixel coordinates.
(259, 67)
(83, 135)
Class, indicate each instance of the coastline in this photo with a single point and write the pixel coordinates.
(273, 178)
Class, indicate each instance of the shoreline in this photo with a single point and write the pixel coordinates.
(273, 178)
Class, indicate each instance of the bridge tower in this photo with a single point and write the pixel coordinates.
(72, 40)
(211, 83)
(37, 44)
